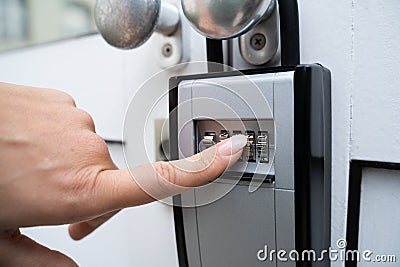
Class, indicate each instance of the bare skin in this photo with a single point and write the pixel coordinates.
(55, 169)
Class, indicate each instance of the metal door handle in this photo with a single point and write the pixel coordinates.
(225, 19)
(127, 24)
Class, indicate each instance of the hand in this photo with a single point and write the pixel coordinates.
(54, 169)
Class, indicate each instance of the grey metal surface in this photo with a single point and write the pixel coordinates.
(232, 230)
(236, 60)
(260, 44)
(232, 98)
(185, 120)
(285, 224)
(128, 24)
(284, 124)
(226, 19)
(265, 83)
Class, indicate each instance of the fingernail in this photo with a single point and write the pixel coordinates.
(233, 145)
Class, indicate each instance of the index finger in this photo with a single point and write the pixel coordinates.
(115, 189)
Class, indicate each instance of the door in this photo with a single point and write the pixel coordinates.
(102, 80)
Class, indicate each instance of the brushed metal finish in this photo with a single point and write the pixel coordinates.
(127, 24)
(224, 19)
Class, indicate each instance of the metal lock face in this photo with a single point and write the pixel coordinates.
(217, 109)
(258, 147)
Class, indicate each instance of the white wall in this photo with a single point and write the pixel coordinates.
(88, 69)
(375, 127)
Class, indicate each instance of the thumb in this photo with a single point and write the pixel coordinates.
(19, 250)
(117, 189)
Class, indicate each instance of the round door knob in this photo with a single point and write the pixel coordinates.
(127, 24)
(226, 18)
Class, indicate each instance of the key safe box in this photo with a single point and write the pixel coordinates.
(277, 197)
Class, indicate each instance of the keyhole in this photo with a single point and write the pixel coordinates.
(167, 50)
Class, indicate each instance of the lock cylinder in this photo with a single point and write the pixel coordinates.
(263, 146)
(223, 135)
(249, 152)
(207, 141)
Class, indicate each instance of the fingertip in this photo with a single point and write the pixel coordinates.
(20, 250)
(79, 231)
(233, 145)
(71, 232)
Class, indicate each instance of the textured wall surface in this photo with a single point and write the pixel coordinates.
(375, 125)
